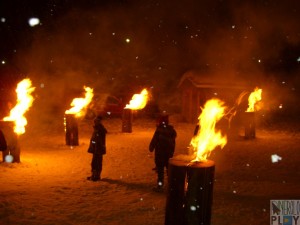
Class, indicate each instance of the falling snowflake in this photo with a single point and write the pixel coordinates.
(33, 21)
(9, 158)
(193, 208)
(275, 158)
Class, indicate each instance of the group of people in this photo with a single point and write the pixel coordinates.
(162, 144)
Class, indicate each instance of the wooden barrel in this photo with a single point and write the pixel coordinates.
(127, 121)
(249, 123)
(190, 192)
(12, 141)
(71, 129)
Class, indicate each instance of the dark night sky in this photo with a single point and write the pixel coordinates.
(121, 44)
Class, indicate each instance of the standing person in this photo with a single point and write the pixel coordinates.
(97, 148)
(163, 142)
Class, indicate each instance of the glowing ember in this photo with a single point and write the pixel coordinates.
(207, 138)
(138, 101)
(24, 102)
(80, 104)
(253, 99)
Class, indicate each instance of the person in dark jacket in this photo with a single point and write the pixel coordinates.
(163, 143)
(97, 148)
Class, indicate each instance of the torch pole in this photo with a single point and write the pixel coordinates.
(127, 120)
(71, 128)
(190, 192)
(249, 121)
(13, 148)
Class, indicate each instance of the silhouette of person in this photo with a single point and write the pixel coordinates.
(163, 143)
(97, 148)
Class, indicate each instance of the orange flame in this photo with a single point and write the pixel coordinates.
(80, 104)
(207, 138)
(253, 99)
(138, 101)
(24, 102)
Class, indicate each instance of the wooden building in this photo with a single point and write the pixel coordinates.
(197, 87)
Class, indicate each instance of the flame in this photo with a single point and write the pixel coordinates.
(80, 104)
(24, 101)
(138, 101)
(208, 138)
(254, 97)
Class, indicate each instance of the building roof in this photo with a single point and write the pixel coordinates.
(201, 79)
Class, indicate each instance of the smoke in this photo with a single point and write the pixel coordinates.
(125, 46)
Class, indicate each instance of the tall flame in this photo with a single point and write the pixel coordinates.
(80, 104)
(254, 97)
(208, 138)
(24, 102)
(138, 101)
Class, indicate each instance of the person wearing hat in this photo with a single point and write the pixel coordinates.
(163, 143)
(97, 148)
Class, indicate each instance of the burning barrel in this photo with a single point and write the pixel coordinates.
(249, 123)
(127, 120)
(78, 109)
(249, 116)
(137, 102)
(12, 153)
(190, 192)
(71, 129)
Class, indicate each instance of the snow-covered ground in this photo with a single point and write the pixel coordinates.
(49, 186)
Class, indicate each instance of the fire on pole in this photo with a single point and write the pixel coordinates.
(190, 192)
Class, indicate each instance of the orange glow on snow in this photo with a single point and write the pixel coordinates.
(208, 138)
(253, 99)
(138, 101)
(24, 102)
(80, 104)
